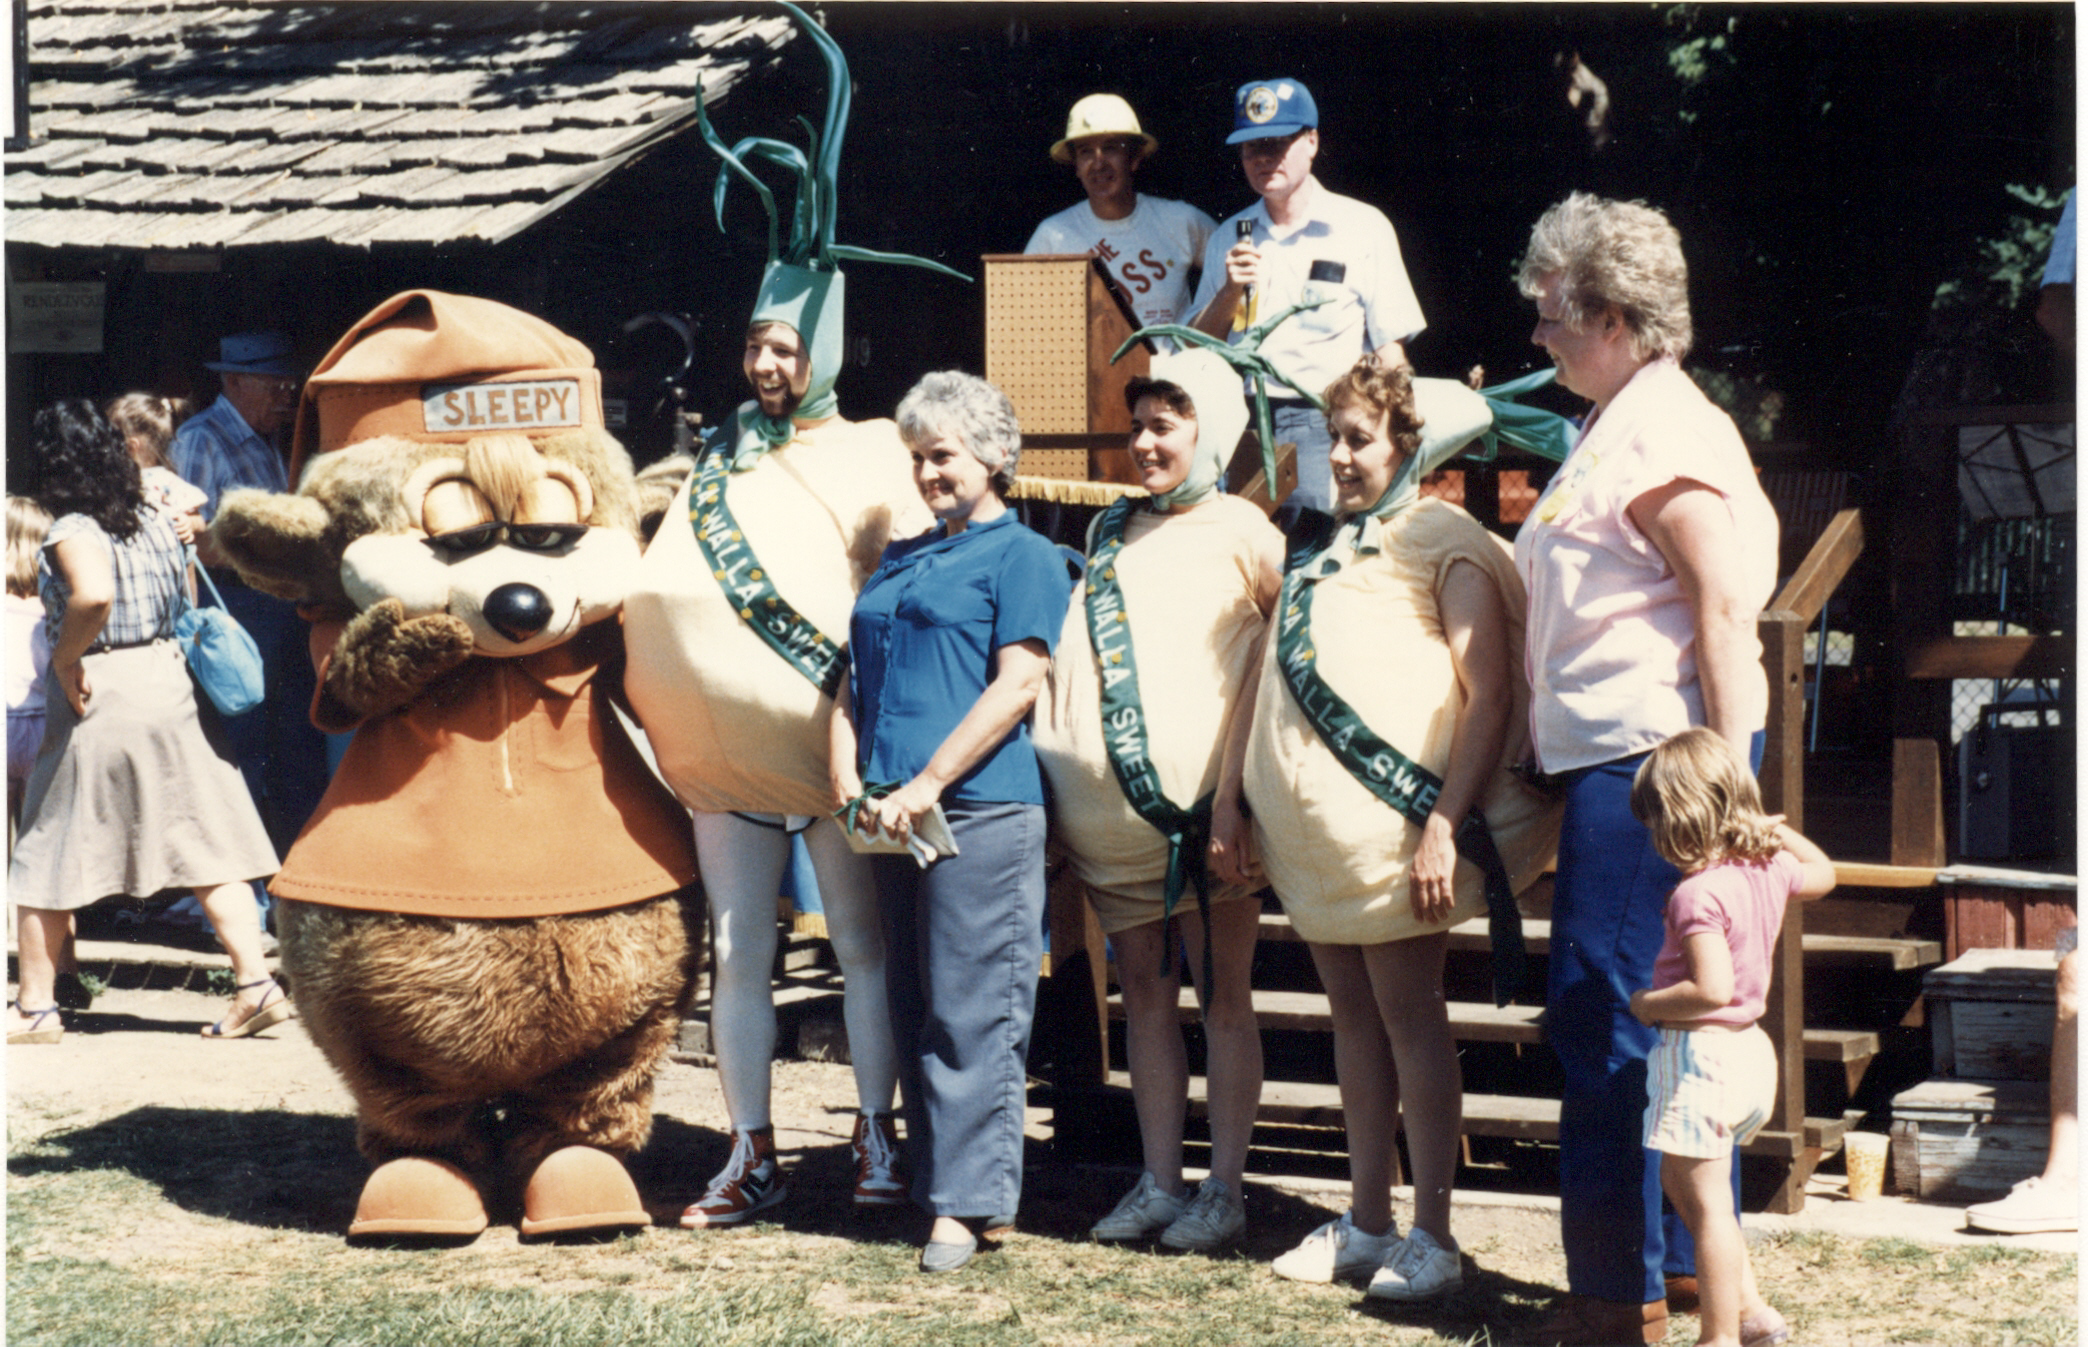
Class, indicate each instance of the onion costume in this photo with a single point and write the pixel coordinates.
(737, 630)
(1368, 633)
(1175, 604)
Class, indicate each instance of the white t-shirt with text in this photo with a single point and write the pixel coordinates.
(1150, 253)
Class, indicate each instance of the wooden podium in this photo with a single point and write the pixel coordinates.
(1052, 322)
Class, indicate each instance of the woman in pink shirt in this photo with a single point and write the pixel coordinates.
(1646, 558)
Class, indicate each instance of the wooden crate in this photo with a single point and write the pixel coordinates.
(1990, 1015)
(1968, 1139)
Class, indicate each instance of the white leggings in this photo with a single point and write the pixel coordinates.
(742, 864)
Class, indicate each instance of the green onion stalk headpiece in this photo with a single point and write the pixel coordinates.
(1453, 417)
(803, 283)
(1244, 354)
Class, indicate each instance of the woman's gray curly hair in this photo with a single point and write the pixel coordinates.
(964, 405)
(1621, 254)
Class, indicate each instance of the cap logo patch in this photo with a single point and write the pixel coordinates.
(1260, 105)
(536, 404)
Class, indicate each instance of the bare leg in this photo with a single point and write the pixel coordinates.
(1153, 1041)
(1406, 977)
(41, 933)
(1369, 1079)
(2062, 1163)
(237, 922)
(1232, 1038)
(1702, 1191)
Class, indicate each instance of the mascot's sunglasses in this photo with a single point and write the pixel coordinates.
(528, 537)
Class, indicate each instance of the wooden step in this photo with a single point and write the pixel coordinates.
(1469, 937)
(1522, 1117)
(1477, 1022)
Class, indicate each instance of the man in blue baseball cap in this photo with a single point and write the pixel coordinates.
(1303, 242)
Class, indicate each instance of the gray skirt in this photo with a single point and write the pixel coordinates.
(138, 795)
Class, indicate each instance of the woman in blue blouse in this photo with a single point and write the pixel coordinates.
(950, 641)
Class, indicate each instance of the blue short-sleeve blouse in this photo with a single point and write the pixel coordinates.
(923, 639)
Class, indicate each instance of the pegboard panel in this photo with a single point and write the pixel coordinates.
(1065, 464)
(1036, 343)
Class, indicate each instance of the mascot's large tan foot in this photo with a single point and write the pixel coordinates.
(581, 1191)
(417, 1196)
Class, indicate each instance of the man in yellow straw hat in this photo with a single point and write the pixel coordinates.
(1149, 244)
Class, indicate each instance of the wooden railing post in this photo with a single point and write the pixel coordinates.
(1782, 780)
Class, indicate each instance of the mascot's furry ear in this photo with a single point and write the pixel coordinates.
(279, 544)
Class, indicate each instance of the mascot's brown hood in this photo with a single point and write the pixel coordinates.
(441, 368)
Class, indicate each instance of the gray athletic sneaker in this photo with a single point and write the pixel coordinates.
(1215, 1219)
(1145, 1211)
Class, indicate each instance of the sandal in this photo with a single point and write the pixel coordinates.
(38, 1031)
(267, 1014)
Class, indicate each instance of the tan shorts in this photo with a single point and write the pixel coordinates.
(1122, 911)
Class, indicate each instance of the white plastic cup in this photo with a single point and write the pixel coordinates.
(1865, 1153)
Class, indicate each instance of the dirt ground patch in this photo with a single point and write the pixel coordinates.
(164, 1188)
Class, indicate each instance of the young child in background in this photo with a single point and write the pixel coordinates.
(147, 422)
(28, 655)
(1711, 1083)
(28, 649)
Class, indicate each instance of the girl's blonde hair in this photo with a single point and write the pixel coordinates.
(1701, 804)
(27, 523)
(149, 419)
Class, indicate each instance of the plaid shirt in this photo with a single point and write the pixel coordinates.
(217, 450)
(150, 569)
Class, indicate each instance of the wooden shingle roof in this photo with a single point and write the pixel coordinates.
(181, 124)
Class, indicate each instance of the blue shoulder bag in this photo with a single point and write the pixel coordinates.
(222, 658)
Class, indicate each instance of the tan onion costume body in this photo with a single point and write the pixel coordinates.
(1189, 580)
(1336, 855)
(733, 726)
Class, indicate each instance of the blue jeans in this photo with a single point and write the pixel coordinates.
(963, 942)
(1607, 907)
(1306, 427)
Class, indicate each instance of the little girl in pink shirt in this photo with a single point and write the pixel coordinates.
(1711, 1083)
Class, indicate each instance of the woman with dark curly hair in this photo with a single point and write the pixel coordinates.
(134, 790)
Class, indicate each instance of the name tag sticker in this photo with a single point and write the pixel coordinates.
(1332, 272)
(540, 404)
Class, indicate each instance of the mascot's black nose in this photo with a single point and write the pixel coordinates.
(518, 611)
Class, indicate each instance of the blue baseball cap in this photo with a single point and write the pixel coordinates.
(1265, 109)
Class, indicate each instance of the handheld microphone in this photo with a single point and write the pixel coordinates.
(1243, 232)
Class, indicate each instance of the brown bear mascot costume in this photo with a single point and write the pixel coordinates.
(484, 920)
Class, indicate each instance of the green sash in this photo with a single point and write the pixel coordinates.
(1188, 831)
(1389, 774)
(745, 581)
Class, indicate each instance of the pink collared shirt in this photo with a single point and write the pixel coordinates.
(1611, 652)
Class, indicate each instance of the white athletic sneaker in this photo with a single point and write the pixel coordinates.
(1145, 1211)
(2032, 1207)
(1419, 1269)
(1337, 1249)
(1215, 1219)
